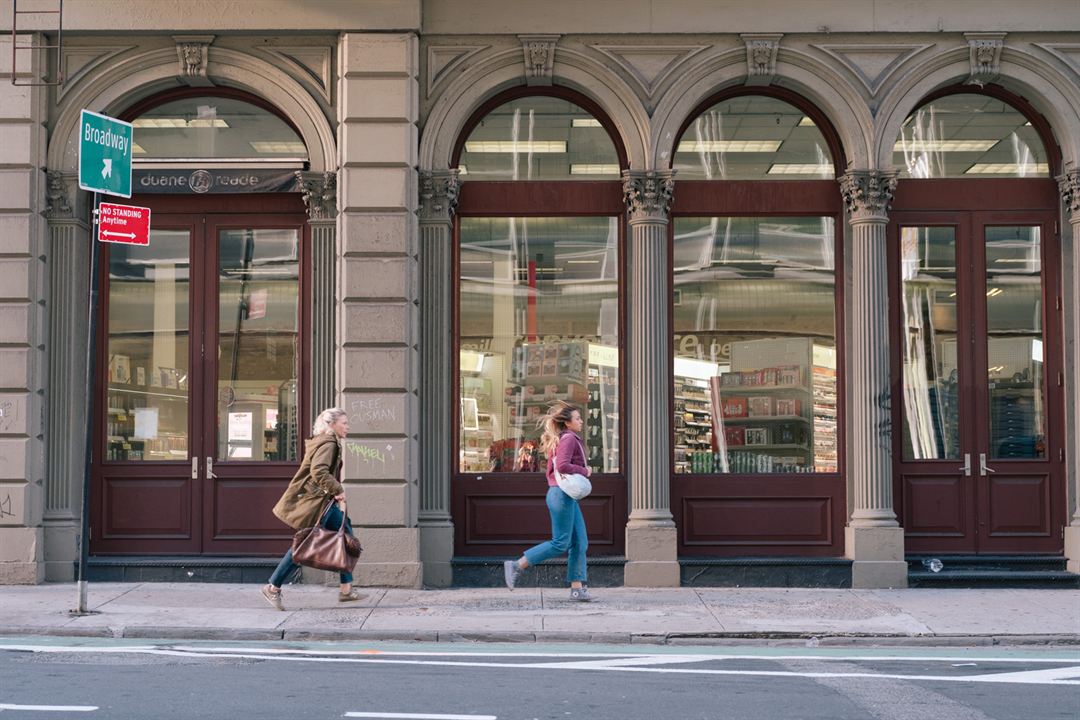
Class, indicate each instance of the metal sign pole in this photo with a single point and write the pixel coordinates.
(91, 356)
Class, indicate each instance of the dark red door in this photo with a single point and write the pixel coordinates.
(199, 407)
(977, 403)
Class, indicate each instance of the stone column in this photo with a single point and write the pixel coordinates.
(651, 539)
(320, 197)
(69, 256)
(1070, 194)
(874, 539)
(438, 199)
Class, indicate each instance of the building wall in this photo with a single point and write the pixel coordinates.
(380, 88)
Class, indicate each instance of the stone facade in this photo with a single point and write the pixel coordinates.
(380, 98)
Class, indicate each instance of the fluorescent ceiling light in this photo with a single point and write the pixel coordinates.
(807, 122)
(1008, 169)
(582, 262)
(945, 145)
(800, 169)
(593, 169)
(462, 170)
(266, 146)
(180, 123)
(699, 369)
(586, 122)
(509, 146)
(729, 146)
(471, 361)
(137, 149)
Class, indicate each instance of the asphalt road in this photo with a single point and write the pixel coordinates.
(45, 678)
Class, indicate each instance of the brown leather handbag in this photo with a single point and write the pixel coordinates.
(333, 550)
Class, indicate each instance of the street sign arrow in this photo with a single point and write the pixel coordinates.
(109, 233)
(107, 170)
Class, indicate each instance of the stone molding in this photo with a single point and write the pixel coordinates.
(192, 51)
(1069, 185)
(985, 56)
(319, 192)
(539, 58)
(868, 194)
(761, 52)
(438, 196)
(648, 194)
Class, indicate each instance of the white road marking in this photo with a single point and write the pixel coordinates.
(418, 716)
(49, 708)
(1053, 676)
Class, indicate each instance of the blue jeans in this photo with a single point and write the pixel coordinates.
(568, 536)
(331, 521)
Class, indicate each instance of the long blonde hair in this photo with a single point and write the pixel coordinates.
(554, 423)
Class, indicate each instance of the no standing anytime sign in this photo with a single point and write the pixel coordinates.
(127, 224)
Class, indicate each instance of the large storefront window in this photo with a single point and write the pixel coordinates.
(539, 322)
(755, 345)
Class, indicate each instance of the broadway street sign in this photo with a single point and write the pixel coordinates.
(104, 154)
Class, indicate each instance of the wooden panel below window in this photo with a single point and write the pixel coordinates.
(242, 510)
(935, 505)
(146, 507)
(1019, 505)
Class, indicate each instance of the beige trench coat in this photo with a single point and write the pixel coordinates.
(314, 483)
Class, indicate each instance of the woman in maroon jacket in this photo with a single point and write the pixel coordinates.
(565, 451)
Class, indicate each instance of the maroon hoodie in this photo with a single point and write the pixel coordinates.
(569, 457)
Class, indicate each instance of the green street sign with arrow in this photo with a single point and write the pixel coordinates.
(105, 154)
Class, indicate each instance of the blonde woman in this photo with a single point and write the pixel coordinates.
(306, 497)
(565, 451)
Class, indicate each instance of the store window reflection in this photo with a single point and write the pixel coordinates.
(539, 322)
(755, 368)
(969, 136)
(753, 137)
(258, 344)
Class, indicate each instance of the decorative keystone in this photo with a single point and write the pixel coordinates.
(539, 58)
(192, 52)
(761, 51)
(868, 194)
(985, 54)
(648, 194)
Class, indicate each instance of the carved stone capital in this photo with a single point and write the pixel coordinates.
(57, 196)
(648, 194)
(867, 194)
(1069, 184)
(539, 57)
(192, 51)
(761, 51)
(319, 192)
(985, 55)
(438, 196)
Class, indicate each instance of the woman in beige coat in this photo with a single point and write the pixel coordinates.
(306, 497)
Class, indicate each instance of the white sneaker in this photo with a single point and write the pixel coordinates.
(511, 570)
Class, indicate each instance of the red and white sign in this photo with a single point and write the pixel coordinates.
(128, 224)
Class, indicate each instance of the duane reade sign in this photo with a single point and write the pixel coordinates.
(105, 154)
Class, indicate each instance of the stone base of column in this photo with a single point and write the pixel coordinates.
(877, 555)
(61, 550)
(651, 556)
(436, 554)
(1072, 548)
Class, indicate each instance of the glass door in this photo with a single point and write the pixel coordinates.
(252, 414)
(199, 410)
(146, 480)
(974, 343)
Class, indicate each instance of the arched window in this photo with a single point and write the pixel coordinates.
(539, 318)
(756, 394)
(753, 137)
(968, 135)
(224, 126)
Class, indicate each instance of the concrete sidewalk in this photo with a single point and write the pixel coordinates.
(619, 615)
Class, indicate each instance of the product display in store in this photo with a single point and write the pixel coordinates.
(504, 436)
(757, 417)
(147, 412)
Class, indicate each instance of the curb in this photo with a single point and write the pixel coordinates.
(803, 639)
